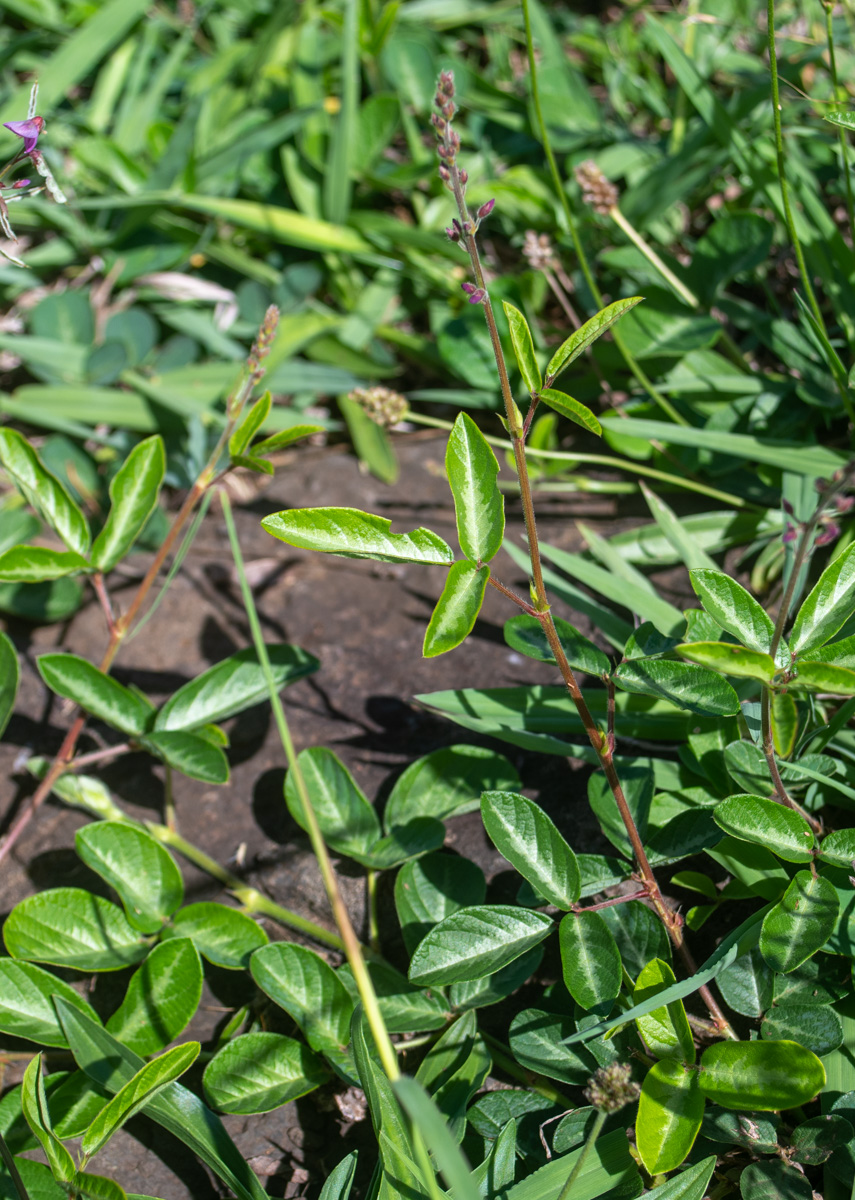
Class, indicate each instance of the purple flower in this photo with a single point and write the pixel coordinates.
(29, 130)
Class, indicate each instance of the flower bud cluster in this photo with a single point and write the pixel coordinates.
(448, 141)
(596, 189)
(261, 346)
(381, 404)
(611, 1088)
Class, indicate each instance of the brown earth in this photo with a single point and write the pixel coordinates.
(365, 622)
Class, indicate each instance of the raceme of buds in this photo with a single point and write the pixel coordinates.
(381, 404)
(611, 1088)
(596, 189)
(261, 345)
(448, 142)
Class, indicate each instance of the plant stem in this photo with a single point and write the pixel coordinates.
(349, 940)
(599, 1122)
(371, 879)
(678, 128)
(629, 358)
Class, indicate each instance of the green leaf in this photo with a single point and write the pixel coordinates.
(800, 923)
(690, 1184)
(134, 493)
(371, 442)
(417, 837)
(35, 1108)
(70, 927)
(665, 1030)
(475, 942)
(480, 993)
(479, 506)
(309, 990)
(819, 981)
(756, 819)
(354, 534)
(768, 1076)
(338, 1183)
(189, 753)
(525, 836)
(587, 334)
(590, 959)
(817, 1027)
(136, 1093)
(568, 407)
(404, 1007)
(431, 889)
(729, 659)
(78, 680)
(784, 718)
(225, 936)
(285, 438)
(609, 1169)
(97, 1187)
(774, 1181)
(525, 634)
(110, 1064)
(447, 782)
(347, 820)
(688, 686)
(26, 1006)
(9, 677)
(829, 605)
(734, 609)
(457, 608)
(454, 1069)
(249, 426)
(35, 564)
(824, 677)
(638, 786)
(523, 348)
(161, 998)
(838, 848)
(538, 1041)
(748, 984)
(144, 874)
(670, 1112)
(232, 685)
(43, 490)
(816, 1140)
(433, 1126)
(687, 546)
(258, 1072)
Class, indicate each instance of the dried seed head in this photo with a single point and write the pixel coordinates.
(611, 1088)
(381, 404)
(596, 189)
(261, 345)
(538, 251)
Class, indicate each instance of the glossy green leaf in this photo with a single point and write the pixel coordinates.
(134, 493)
(26, 1007)
(757, 819)
(817, 1027)
(144, 874)
(338, 1183)
(690, 1184)
(639, 934)
(480, 993)
(70, 927)
(496, 1171)
(824, 677)
(682, 683)
(35, 1108)
(258, 1072)
(733, 608)
(346, 818)
(479, 506)
(9, 677)
(800, 923)
(454, 1069)
(525, 634)
(608, 1169)
(768, 1076)
(590, 959)
(354, 534)
(784, 718)
(430, 889)
(523, 348)
(572, 409)
(665, 1030)
(136, 1093)
(747, 984)
(189, 753)
(822, 980)
(42, 603)
(475, 942)
(112, 1065)
(828, 606)
(232, 685)
(78, 680)
(405, 1008)
(433, 1126)
(225, 936)
(34, 564)
(525, 836)
(308, 989)
(97, 1187)
(815, 1140)
(43, 490)
(729, 659)
(579, 341)
(447, 782)
(249, 425)
(457, 608)
(285, 438)
(417, 837)
(838, 848)
(161, 998)
(774, 1180)
(538, 1041)
(670, 1111)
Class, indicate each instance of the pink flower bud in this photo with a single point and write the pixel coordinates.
(788, 508)
(478, 296)
(21, 183)
(789, 535)
(830, 534)
(469, 288)
(485, 210)
(452, 234)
